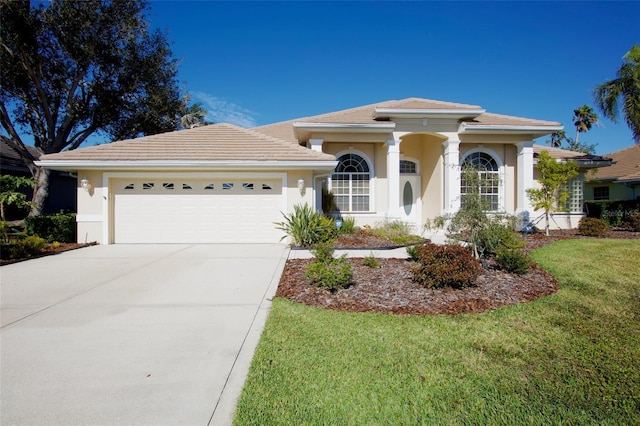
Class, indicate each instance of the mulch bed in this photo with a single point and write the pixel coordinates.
(48, 251)
(390, 289)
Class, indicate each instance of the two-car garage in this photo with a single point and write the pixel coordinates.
(176, 209)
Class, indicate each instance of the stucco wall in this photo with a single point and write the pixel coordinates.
(616, 191)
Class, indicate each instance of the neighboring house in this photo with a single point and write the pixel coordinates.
(62, 193)
(394, 160)
(621, 181)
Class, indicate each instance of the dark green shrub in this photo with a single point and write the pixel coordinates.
(23, 248)
(370, 261)
(332, 275)
(445, 266)
(307, 227)
(592, 227)
(52, 227)
(614, 212)
(323, 252)
(513, 260)
(496, 235)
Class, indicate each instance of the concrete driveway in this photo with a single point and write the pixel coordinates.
(133, 334)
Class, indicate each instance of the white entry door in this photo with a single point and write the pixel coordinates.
(410, 200)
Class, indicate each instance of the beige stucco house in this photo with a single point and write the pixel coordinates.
(394, 160)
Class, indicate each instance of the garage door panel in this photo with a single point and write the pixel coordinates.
(197, 211)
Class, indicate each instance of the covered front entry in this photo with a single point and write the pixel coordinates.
(187, 210)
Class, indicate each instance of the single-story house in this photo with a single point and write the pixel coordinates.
(393, 160)
(620, 181)
(62, 185)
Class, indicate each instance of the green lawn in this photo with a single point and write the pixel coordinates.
(570, 358)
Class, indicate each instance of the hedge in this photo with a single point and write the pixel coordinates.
(615, 213)
(52, 227)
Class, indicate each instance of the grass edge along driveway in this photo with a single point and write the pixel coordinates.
(570, 358)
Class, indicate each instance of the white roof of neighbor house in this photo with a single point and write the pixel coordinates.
(217, 142)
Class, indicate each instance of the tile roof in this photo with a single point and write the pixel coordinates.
(207, 143)
(584, 160)
(626, 166)
(365, 115)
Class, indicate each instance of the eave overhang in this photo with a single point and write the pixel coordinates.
(303, 130)
(507, 129)
(174, 165)
(451, 113)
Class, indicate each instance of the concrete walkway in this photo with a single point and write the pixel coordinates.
(133, 334)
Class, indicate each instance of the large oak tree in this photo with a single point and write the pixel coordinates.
(71, 69)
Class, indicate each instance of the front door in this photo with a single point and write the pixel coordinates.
(410, 200)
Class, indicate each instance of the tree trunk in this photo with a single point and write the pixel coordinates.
(40, 191)
(546, 228)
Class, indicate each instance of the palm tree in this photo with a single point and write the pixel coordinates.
(625, 91)
(583, 119)
(194, 116)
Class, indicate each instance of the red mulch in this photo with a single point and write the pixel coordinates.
(390, 289)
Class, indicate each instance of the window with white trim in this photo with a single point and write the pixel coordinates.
(350, 184)
(487, 183)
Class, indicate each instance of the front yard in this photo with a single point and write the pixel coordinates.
(567, 358)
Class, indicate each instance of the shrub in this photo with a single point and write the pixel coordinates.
(307, 227)
(513, 260)
(397, 231)
(323, 252)
(412, 252)
(52, 227)
(495, 235)
(370, 261)
(445, 266)
(613, 212)
(333, 275)
(348, 226)
(633, 221)
(23, 248)
(592, 227)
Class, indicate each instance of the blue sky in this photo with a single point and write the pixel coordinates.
(254, 63)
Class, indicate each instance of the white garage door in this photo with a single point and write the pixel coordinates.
(197, 211)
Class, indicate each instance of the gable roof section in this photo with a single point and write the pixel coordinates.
(625, 167)
(368, 115)
(217, 144)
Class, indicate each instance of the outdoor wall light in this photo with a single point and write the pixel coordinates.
(301, 186)
(85, 184)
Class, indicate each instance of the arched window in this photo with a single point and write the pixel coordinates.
(481, 177)
(350, 184)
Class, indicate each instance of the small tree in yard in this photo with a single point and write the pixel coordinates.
(552, 196)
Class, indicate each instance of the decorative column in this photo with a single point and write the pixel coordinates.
(393, 177)
(451, 175)
(316, 144)
(524, 180)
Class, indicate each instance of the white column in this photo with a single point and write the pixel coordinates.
(316, 144)
(393, 177)
(524, 179)
(451, 175)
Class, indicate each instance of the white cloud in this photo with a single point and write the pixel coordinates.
(222, 111)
